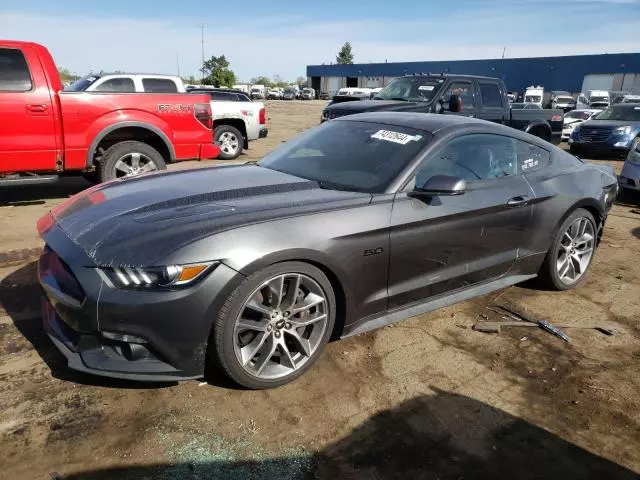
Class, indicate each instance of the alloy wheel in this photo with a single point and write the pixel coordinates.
(576, 250)
(228, 143)
(280, 326)
(133, 164)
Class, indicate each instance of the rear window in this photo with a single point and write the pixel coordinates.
(117, 85)
(490, 94)
(224, 96)
(14, 72)
(159, 85)
(82, 84)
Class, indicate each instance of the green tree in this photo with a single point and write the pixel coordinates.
(66, 76)
(217, 72)
(262, 80)
(345, 56)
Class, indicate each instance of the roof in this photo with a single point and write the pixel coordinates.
(428, 122)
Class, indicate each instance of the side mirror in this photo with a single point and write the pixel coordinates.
(440, 185)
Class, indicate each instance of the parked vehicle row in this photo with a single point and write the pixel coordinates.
(464, 95)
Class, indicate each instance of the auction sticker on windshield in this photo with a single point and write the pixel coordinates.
(426, 87)
(396, 137)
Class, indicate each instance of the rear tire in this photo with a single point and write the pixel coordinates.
(230, 141)
(262, 340)
(568, 245)
(129, 159)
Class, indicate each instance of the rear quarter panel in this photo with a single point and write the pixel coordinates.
(86, 115)
(522, 119)
(559, 190)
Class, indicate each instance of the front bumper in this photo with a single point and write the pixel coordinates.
(127, 334)
(600, 149)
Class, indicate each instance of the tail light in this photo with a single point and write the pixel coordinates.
(202, 112)
(263, 116)
(556, 118)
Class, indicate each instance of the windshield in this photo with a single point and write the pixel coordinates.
(620, 112)
(349, 155)
(599, 99)
(577, 114)
(634, 156)
(82, 84)
(411, 89)
(533, 98)
(631, 99)
(565, 99)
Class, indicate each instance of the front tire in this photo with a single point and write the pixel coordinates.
(571, 252)
(274, 325)
(129, 159)
(230, 141)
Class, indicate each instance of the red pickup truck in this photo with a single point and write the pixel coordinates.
(45, 132)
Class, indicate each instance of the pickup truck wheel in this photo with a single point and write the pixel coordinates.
(230, 142)
(129, 159)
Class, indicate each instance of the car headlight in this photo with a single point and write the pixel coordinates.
(144, 278)
(623, 130)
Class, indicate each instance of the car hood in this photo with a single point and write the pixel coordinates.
(572, 121)
(346, 108)
(140, 221)
(608, 123)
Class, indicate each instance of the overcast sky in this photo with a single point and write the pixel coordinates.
(282, 38)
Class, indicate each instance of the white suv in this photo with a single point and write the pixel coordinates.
(128, 83)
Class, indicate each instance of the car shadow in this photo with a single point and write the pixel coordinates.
(439, 436)
(38, 194)
(20, 296)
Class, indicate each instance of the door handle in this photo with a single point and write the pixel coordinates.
(36, 108)
(518, 201)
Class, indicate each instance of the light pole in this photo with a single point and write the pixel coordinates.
(202, 41)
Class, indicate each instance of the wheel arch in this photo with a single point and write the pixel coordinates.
(539, 126)
(590, 205)
(130, 130)
(324, 264)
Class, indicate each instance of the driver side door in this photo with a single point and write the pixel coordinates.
(444, 243)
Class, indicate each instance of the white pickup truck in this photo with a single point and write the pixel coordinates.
(237, 120)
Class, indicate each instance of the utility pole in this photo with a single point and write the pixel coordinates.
(178, 62)
(202, 39)
(504, 49)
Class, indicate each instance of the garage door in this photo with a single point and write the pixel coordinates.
(630, 82)
(333, 85)
(598, 81)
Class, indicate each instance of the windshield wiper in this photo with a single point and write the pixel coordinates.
(333, 186)
(399, 98)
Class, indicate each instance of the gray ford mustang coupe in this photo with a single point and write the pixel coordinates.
(352, 225)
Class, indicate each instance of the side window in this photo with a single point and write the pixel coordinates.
(14, 72)
(531, 157)
(465, 91)
(490, 94)
(117, 85)
(473, 158)
(159, 85)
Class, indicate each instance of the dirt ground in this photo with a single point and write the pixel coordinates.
(426, 398)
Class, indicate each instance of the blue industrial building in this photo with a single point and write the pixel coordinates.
(613, 72)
